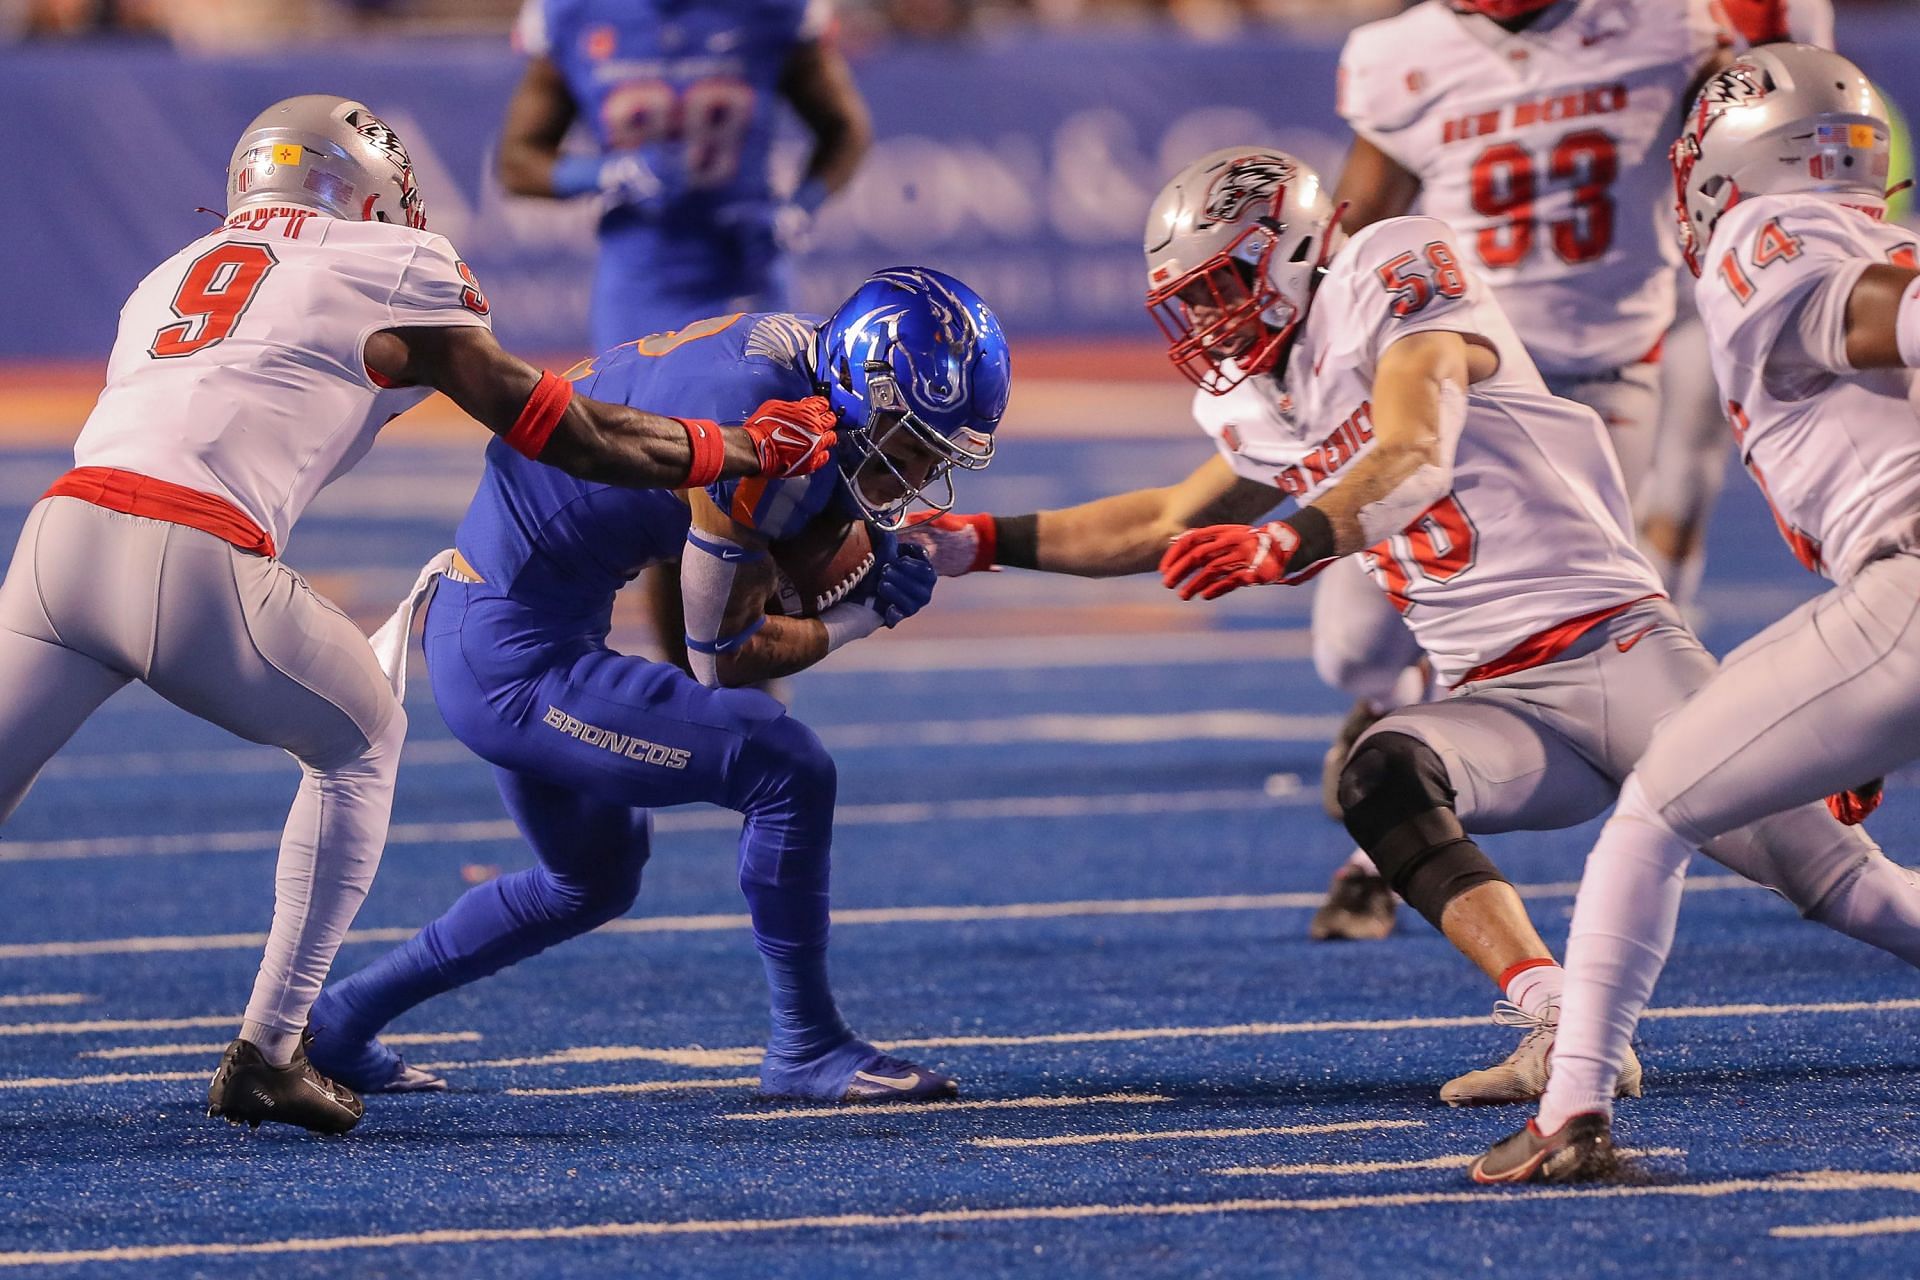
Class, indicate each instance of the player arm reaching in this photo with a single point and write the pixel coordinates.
(1124, 533)
(818, 84)
(727, 577)
(1883, 319)
(538, 116)
(1419, 409)
(539, 414)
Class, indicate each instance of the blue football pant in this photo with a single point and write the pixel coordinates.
(584, 743)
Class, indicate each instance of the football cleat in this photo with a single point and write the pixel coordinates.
(855, 1072)
(1358, 721)
(1580, 1149)
(1522, 1075)
(247, 1089)
(365, 1065)
(1359, 908)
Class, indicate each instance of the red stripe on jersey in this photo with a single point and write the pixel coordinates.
(133, 494)
(1547, 645)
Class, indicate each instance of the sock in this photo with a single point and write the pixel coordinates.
(1360, 862)
(790, 929)
(1623, 924)
(1533, 984)
(490, 927)
(275, 1045)
(1880, 906)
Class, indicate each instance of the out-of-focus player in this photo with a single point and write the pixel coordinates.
(1378, 385)
(1812, 307)
(586, 742)
(252, 368)
(681, 100)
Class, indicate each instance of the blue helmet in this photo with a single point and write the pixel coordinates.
(912, 350)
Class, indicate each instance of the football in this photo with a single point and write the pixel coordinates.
(815, 569)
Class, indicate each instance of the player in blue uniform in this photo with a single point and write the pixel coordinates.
(680, 99)
(585, 741)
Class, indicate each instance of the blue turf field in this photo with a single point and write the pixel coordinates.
(1079, 844)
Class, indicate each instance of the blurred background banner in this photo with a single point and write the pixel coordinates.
(1022, 161)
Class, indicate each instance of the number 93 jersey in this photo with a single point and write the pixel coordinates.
(1531, 535)
(688, 87)
(239, 369)
(1546, 149)
(1836, 452)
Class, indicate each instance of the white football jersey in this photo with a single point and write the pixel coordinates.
(239, 367)
(1837, 452)
(1531, 535)
(1546, 151)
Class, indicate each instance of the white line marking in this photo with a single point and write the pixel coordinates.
(117, 1024)
(1847, 1230)
(1786, 1184)
(1083, 730)
(156, 1050)
(1180, 1135)
(841, 918)
(968, 1104)
(638, 1086)
(986, 808)
(55, 998)
(1113, 649)
(116, 1077)
(1396, 1166)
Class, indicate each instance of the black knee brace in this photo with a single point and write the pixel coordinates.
(1399, 808)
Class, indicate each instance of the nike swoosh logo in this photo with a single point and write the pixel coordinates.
(892, 1082)
(1627, 642)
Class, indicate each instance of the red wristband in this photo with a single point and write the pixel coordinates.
(709, 451)
(987, 530)
(543, 411)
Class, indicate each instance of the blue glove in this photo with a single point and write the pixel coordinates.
(622, 177)
(900, 583)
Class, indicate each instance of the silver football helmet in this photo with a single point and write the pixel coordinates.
(331, 155)
(1236, 244)
(1786, 117)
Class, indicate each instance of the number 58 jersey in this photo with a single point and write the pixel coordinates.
(239, 369)
(1531, 536)
(1546, 150)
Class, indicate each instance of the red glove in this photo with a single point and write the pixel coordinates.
(1854, 804)
(1226, 557)
(956, 545)
(793, 437)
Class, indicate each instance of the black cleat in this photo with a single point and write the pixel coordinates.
(1358, 721)
(1359, 907)
(1582, 1149)
(248, 1089)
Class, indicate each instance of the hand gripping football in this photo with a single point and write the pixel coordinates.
(819, 565)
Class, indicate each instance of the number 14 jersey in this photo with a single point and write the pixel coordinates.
(1546, 150)
(1531, 536)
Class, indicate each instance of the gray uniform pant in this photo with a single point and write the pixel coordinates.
(1548, 747)
(95, 599)
(1826, 698)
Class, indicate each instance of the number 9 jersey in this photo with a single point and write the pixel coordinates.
(1546, 150)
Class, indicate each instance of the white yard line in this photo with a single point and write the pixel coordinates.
(1489, 1201)
(966, 1104)
(39, 1001)
(1848, 1230)
(639, 1086)
(981, 809)
(1079, 730)
(1182, 1135)
(161, 1050)
(1357, 1167)
(844, 917)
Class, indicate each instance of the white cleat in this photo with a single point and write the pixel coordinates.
(1522, 1076)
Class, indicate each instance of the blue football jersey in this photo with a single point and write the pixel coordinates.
(567, 546)
(689, 87)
